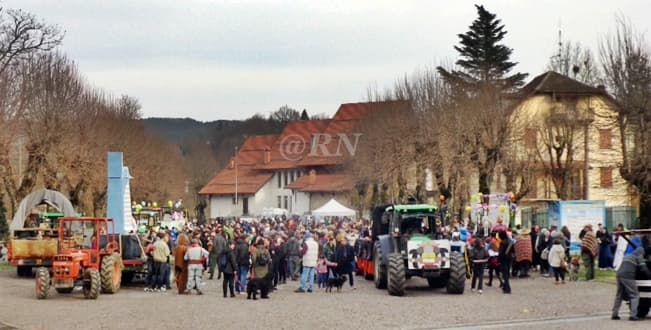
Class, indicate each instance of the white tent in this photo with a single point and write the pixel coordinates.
(333, 209)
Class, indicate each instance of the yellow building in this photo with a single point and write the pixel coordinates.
(565, 138)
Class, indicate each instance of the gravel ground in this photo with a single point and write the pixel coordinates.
(537, 301)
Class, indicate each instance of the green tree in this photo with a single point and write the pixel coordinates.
(4, 228)
(479, 87)
(304, 115)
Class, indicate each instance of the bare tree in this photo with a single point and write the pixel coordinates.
(22, 34)
(562, 134)
(625, 62)
(574, 60)
(285, 114)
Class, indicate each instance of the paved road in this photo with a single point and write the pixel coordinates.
(535, 304)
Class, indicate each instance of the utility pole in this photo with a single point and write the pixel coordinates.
(236, 200)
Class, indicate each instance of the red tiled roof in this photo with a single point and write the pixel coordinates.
(293, 144)
(323, 183)
(253, 172)
(358, 111)
(553, 82)
(249, 180)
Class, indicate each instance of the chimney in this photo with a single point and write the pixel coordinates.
(267, 155)
(231, 165)
(312, 178)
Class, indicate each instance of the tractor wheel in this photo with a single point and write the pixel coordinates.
(457, 278)
(92, 283)
(397, 277)
(379, 272)
(64, 290)
(111, 273)
(24, 271)
(42, 283)
(436, 282)
(643, 308)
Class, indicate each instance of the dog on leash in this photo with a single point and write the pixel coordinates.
(336, 282)
(574, 269)
(252, 287)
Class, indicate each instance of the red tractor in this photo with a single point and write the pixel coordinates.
(88, 257)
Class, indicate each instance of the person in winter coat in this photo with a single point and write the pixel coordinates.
(631, 265)
(261, 262)
(329, 253)
(544, 242)
(605, 241)
(242, 258)
(523, 253)
(505, 257)
(345, 256)
(556, 259)
(294, 256)
(310, 252)
(493, 263)
(229, 268)
(180, 264)
(218, 246)
(479, 258)
(589, 250)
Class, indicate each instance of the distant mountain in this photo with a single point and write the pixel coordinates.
(180, 130)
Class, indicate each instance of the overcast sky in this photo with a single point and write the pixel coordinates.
(213, 60)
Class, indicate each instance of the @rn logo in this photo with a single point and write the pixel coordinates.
(293, 147)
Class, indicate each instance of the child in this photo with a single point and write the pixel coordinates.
(479, 258)
(493, 262)
(322, 271)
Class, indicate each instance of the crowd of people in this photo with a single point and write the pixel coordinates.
(260, 256)
(251, 257)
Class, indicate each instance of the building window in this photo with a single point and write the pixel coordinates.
(279, 201)
(530, 138)
(285, 200)
(280, 183)
(606, 177)
(292, 176)
(285, 175)
(605, 139)
(234, 201)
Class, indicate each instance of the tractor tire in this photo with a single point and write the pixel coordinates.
(380, 272)
(436, 282)
(92, 283)
(111, 273)
(64, 290)
(24, 271)
(42, 283)
(643, 308)
(396, 275)
(457, 279)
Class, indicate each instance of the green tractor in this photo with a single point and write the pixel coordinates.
(407, 244)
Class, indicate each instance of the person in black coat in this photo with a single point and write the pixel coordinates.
(242, 258)
(505, 257)
(345, 256)
(229, 269)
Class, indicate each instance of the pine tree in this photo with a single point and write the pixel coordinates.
(304, 115)
(4, 228)
(479, 87)
(483, 59)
